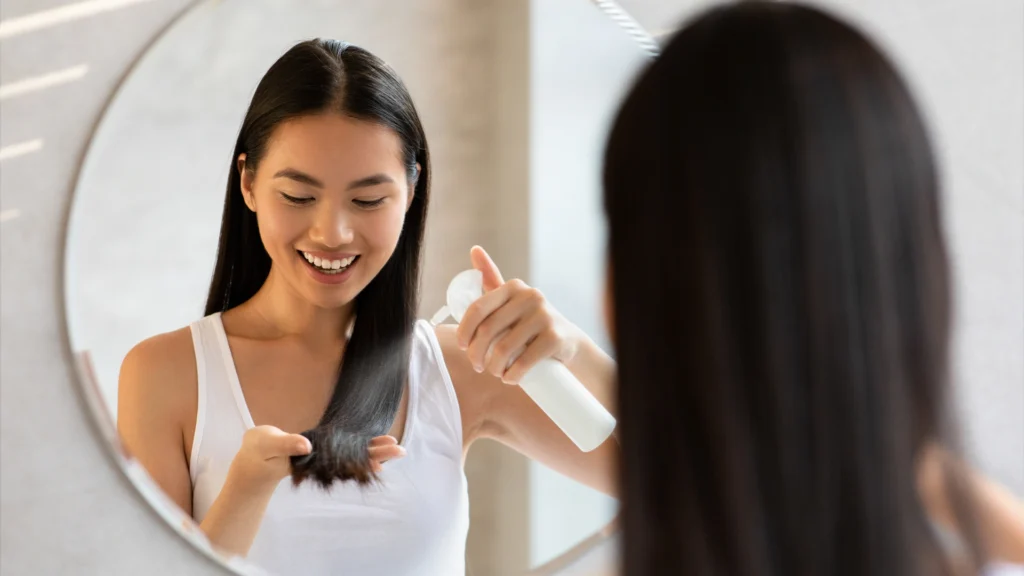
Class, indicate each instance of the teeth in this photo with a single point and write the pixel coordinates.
(325, 264)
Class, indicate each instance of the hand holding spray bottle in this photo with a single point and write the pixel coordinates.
(549, 383)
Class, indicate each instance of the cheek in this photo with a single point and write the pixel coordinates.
(384, 228)
(279, 227)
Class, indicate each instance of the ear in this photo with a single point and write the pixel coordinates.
(246, 179)
(412, 187)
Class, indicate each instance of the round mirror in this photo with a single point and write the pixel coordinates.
(514, 99)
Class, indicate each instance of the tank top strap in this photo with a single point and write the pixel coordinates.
(436, 415)
(220, 420)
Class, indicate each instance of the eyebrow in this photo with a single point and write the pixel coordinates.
(300, 177)
(370, 181)
(303, 178)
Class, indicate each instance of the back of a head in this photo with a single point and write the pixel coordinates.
(782, 302)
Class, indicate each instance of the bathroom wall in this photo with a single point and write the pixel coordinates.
(66, 508)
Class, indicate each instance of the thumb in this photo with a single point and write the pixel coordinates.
(482, 262)
(279, 443)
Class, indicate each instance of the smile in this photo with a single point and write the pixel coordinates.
(329, 266)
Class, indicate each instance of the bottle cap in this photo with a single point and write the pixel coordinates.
(463, 290)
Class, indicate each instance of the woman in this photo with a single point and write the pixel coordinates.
(782, 313)
(311, 329)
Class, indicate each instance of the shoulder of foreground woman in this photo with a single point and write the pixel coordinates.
(1000, 514)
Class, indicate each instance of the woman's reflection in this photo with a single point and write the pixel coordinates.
(310, 361)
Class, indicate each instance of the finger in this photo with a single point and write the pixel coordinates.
(383, 441)
(276, 443)
(513, 344)
(263, 439)
(542, 347)
(482, 262)
(494, 327)
(479, 311)
(385, 453)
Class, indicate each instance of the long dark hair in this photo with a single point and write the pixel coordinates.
(314, 77)
(782, 303)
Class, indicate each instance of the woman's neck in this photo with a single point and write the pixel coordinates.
(285, 313)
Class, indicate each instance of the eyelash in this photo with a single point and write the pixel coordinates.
(296, 201)
(305, 201)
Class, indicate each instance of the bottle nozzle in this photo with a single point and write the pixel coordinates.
(440, 316)
(464, 289)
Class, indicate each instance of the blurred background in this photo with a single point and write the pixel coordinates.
(116, 123)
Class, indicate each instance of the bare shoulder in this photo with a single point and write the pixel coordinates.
(476, 392)
(156, 410)
(164, 358)
(158, 378)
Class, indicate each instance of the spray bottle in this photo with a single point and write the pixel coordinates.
(549, 383)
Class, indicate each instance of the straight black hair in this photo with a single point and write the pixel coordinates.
(315, 77)
(782, 304)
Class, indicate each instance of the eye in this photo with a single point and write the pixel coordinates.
(369, 203)
(295, 200)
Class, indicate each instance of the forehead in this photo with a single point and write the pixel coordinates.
(334, 147)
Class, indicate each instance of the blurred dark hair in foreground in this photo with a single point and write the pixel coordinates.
(783, 305)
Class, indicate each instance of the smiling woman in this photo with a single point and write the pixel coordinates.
(310, 363)
(327, 120)
(328, 181)
(228, 411)
(331, 165)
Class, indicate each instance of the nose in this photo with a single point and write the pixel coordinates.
(331, 227)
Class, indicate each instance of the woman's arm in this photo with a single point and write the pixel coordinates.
(1000, 516)
(156, 398)
(596, 370)
(503, 412)
(500, 338)
(152, 397)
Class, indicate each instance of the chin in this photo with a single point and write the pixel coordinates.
(331, 299)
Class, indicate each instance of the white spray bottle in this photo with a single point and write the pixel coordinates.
(549, 383)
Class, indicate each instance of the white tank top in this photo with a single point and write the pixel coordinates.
(413, 523)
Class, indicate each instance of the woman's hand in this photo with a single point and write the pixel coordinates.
(263, 460)
(512, 326)
(261, 463)
(383, 449)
